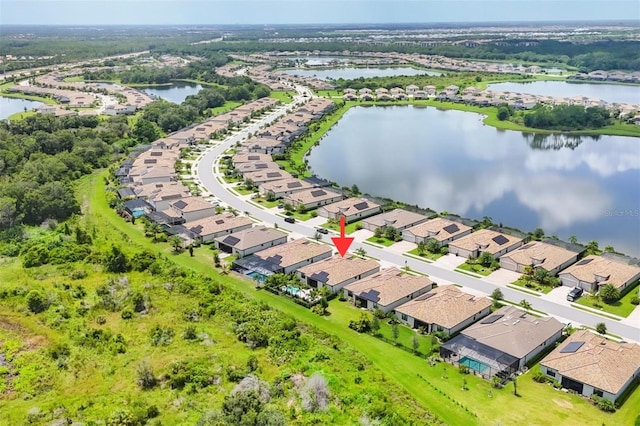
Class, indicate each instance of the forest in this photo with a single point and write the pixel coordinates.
(568, 117)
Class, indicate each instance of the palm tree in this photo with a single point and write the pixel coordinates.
(422, 247)
(525, 305)
(176, 242)
(573, 239)
(155, 229)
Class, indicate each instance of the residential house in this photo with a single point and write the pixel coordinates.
(591, 365)
(538, 255)
(280, 188)
(399, 219)
(249, 157)
(313, 197)
(592, 272)
(191, 208)
(503, 342)
(248, 241)
(387, 289)
(351, 209)
(445, 308)
(284, 258)
(337, 271)
(257, 166)
(208, 228)
(485, 240)
(411, 90)
(440, 229)
(269, 175)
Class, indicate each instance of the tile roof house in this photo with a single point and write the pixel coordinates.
(208, 228)
(538, 255)
(249, 158)
(592, 365)
(267, 175)
(445, 308)
(337, 271)
(440, 229)
(192, 208)
(248, 241)
(387, 289)
(313, 197)
(503, 342)
(398, 218)
(484, 240)
(280, 188)
(160, 195)
(352, 209)
(284, 258)
(594, 271)
(257, 166)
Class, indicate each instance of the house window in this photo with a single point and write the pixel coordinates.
(597, 392)
(551, 373)
(404, 317)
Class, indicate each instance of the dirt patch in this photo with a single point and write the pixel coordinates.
(563, 403)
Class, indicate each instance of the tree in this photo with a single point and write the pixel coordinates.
(415, 344)
(146, 378)
(525, 305)
(355, 191)
(609, 293)
(515, 385)
(391, 233)
(503, 113)
(395, 331)
(601, 328)
(116, 261)
(485, 259)
(538, 234)
(36, 302)
(497, 294)
(433, 246)
(176, 242)
(592, 247)
(315, 393)
(609, 249)
(378, 232)
(361, 252)
(216, 259)
(375, 326)
(421, 248)
(541, 276)
(155, 229)
(145, 131)
(573, 239)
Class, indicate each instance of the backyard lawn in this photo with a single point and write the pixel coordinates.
(478, 269)
(267, 204)
(622, 307)
(381, 240)
(425, 254)
(284, 97)
(438, 388)
(348, 229)
(304, 216)
(536, 287)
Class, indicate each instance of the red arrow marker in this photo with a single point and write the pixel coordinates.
(342, 243)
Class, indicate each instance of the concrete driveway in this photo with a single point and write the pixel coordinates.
(502, 277)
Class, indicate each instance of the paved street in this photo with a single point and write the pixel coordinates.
(628, 328)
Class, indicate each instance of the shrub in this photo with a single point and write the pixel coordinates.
(605, 404)
(146, 378)
(540, 377)
(161, 336)
(609, 294)
(36, 302)
(126, 314)
(315, 394)
(463, 369)
(100, 320)
(190, 333)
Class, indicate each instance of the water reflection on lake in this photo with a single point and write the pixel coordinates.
(176, 92)
(608, 92)
(349, 73)
(10, 106)
(450, 161)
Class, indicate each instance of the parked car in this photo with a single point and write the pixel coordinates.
(322, 230)
(574, 294)
(290, 219)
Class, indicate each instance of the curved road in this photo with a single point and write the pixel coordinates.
(205, 165)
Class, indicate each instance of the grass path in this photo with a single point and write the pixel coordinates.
(538, 404)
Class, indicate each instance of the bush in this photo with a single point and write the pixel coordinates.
(540, 377)
(609, 293)
(190, 333)
(146, 378)
(463, 369)
(161, 336)
(605, 404)
(36, 302)
(126, 314)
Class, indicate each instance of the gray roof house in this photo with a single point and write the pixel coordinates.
(248, 241)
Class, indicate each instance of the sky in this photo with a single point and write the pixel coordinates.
(145, 12)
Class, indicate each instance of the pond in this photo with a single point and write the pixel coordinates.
(450, 161)
(350, 73)
(176, 92)
(620, 93)
(9, 106)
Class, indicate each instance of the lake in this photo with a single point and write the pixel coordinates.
(620, 93)
(450, 161)
(176, 92)
(9, 106)
(350, 73)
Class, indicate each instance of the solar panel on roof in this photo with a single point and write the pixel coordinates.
(253, 157)
(180, 204)
(361, 206)
(583, 262)
(451, 228)
(500, 239)
(232, 241)
(294, 185)
(526, 246)
(571, 347)
(274, 259)
(318, 193)
(273, 174)
(261, 166)
(372, 295)
(219, 222)
(491, 319)
(156, 154)
(323, 277)
(196, 229)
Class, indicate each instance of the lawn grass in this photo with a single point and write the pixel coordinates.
(228, 106)
(536, 287)
(381, 241)
(267, 204)
(74, 79)
(240, 189)
(330, 93)
(425, 254)
(622, 307)
(478, 269)
(18, 95)
(349, 228)
(397, 365)
(304, 216)
(21, 115)
(284, 97)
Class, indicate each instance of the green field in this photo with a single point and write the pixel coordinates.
(284, 97)
(349, 228)
(622, 307)
(426, 254)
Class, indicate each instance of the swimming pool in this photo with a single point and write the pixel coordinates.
(478, 366)
(256, 276)
(294, 291)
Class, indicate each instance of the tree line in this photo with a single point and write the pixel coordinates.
(567, 117)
